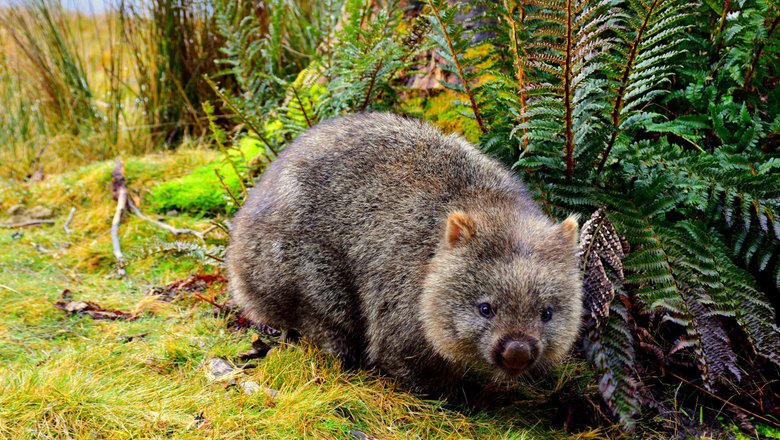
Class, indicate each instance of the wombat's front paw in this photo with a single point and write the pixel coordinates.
(290, 336)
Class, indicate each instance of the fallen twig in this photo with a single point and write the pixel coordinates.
(67, 222)
(41, 248)
(167, 227)
(27, 223)
(120, 195)
(210, 301)
(9, 288)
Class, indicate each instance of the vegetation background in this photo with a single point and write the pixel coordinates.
(660, 116)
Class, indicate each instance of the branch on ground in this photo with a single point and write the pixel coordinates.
(27, 223)
(167, 227)
(119, 190)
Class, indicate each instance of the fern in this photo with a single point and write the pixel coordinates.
(610, 349)
(448, 35)
(600, 250)
(570, 44)
(609, 341)
(264, 52)
(651, 40)
(369, 52)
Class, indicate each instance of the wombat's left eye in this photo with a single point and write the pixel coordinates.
(547, 314)
(486, 310)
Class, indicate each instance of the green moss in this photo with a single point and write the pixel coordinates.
(201, 192)
(763, 431)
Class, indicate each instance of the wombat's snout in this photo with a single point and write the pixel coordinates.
(516, 354)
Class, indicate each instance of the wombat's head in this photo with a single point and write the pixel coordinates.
(503, 292)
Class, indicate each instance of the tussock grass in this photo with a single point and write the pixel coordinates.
(171, 45)
(72, 377)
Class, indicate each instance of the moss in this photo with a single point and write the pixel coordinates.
(200, 192)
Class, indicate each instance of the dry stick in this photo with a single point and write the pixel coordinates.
(300, 102)
(167, 227)
(41, 248)
(120, 194)
(210, 301)
(27, 223)
(67, 222)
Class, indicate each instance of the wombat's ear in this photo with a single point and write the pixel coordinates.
(460, 229)
(571, 230)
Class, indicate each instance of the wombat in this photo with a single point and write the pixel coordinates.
(396, 247)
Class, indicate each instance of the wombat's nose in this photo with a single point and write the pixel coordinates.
(518, 354)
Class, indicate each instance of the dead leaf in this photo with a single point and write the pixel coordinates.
(92, 310)
(195, 283)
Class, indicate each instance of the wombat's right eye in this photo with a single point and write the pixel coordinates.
(486, 310)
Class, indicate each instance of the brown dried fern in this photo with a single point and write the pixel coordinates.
(601, 248)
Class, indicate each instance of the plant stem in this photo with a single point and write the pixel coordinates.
(567, 80)
(459, 68)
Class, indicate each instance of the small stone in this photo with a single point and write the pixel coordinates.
(360, 435)
(172, 213)
(39, 212)
(218, 368)
(271, 392)
(250, 387)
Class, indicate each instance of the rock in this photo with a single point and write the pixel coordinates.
(217, 368)
(250, 387)
(172, 213)
(39, 212)
(271, 392)
(360, 435)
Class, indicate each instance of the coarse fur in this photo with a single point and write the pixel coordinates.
(382, 241)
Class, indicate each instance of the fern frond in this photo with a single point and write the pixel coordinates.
(600, 248)
(610, 349)
(652, 39)
(572, 39)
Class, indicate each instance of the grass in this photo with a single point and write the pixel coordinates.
(68, 376)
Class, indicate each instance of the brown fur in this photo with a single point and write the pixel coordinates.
(378, 238)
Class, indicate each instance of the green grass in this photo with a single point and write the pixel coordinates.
(68, 376)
